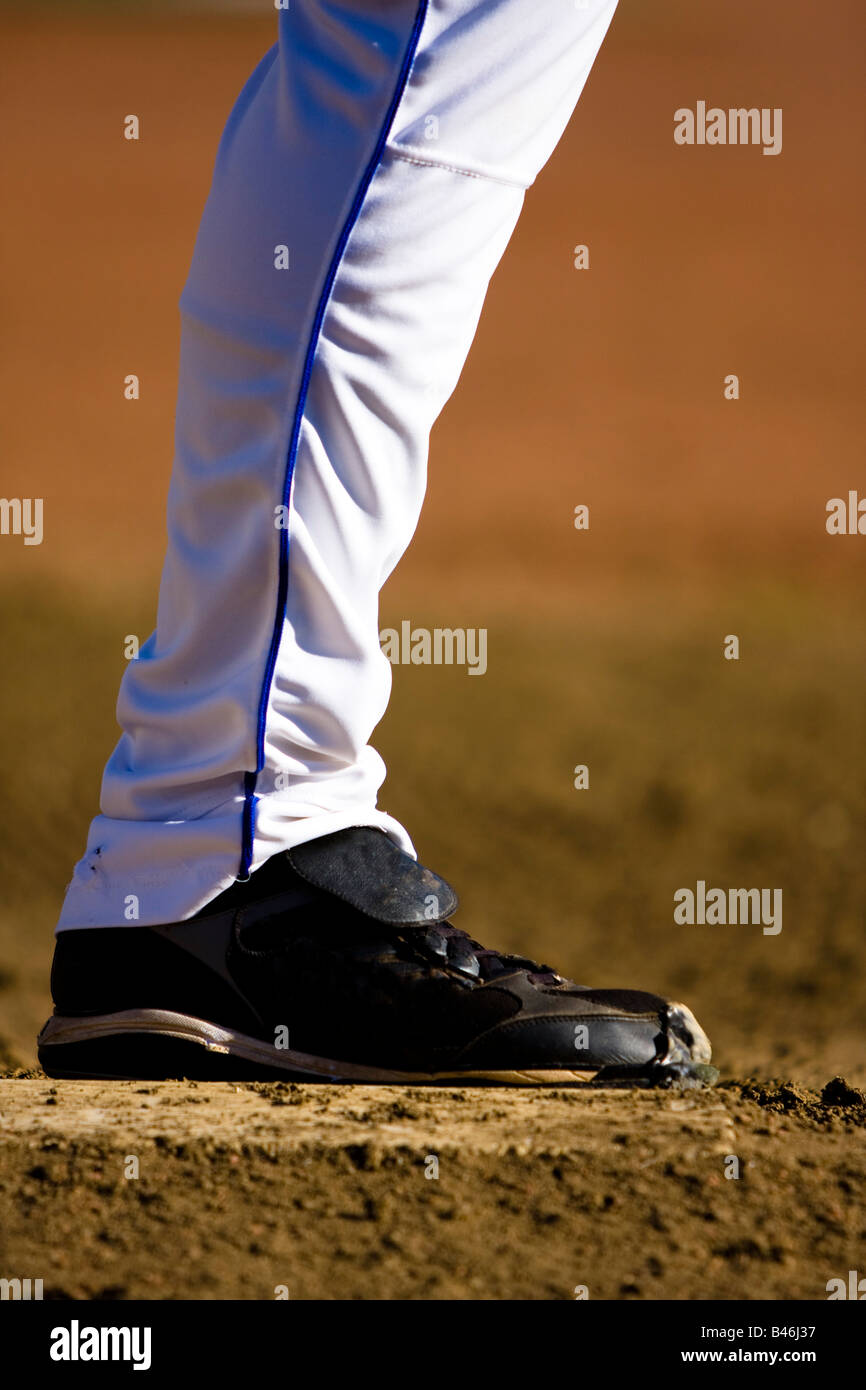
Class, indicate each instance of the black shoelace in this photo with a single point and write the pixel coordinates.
(449, 946)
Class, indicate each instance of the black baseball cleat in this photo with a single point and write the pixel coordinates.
(334, 962)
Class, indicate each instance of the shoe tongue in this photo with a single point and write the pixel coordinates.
(363, 867)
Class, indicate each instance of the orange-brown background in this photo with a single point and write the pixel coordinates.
(602, 386)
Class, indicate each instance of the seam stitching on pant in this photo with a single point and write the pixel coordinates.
(454, 168)
(251, 778)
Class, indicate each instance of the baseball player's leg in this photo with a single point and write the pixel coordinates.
(365, 189)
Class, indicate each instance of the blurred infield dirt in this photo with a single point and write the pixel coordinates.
(601, 387)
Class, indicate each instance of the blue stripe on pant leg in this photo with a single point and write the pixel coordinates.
(250, 778)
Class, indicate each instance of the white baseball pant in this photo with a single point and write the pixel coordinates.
(366, 186)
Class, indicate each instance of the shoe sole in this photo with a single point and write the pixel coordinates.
(156, 1044)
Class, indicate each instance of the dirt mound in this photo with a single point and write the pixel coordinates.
(186, 1190)
(836, 1104)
